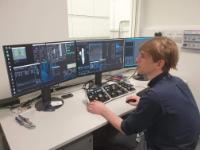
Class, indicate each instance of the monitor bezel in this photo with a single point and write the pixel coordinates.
(133, 39)
(100, 40)
(48, 84)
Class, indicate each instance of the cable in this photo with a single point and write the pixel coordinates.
(90, 83)
(67, 86)
(133, 74)
(30, 101)
(26, 104)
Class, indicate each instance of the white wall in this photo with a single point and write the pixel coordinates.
(120, 10)
(175, 15)
(121, 18)
(99, 18)
(29, 21)
(89, 18)
(170, 13)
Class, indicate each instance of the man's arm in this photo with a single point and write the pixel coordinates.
(113, 119)
(99, 108)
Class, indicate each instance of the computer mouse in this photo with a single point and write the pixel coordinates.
(130, 100)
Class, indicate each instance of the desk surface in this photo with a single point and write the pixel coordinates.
(60, 127)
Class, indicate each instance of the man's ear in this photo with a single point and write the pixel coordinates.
(161, 63)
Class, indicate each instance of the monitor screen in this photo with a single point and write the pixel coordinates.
(131, 50)
(34, 66)
(99, 56)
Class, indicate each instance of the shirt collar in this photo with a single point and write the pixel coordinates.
(157, 78)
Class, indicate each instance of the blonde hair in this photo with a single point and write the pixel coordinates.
(162, 48)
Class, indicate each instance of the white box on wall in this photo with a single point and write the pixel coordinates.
(191, 39)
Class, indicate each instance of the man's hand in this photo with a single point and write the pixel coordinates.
(133, 100)
(96, 107)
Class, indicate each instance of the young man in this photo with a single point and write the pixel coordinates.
(166, 112)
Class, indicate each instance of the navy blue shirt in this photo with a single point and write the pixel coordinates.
(168, 114)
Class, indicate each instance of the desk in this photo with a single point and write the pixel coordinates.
(58, 128)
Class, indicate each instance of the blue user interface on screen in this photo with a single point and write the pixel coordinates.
(99, 56)
(33, 66)
(131, 50)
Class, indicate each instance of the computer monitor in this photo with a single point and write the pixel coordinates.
(34, 67)
(131, 50)
(97, 56)
(113, 54)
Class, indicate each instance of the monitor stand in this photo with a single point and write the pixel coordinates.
(98, 78)
(48, 103)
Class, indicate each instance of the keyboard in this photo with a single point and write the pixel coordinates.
(110, 91)
(114, 90)
(97, 94)
(127, 86)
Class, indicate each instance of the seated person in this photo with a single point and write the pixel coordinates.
(167, 111)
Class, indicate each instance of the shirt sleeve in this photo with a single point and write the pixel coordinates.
(146, 113)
